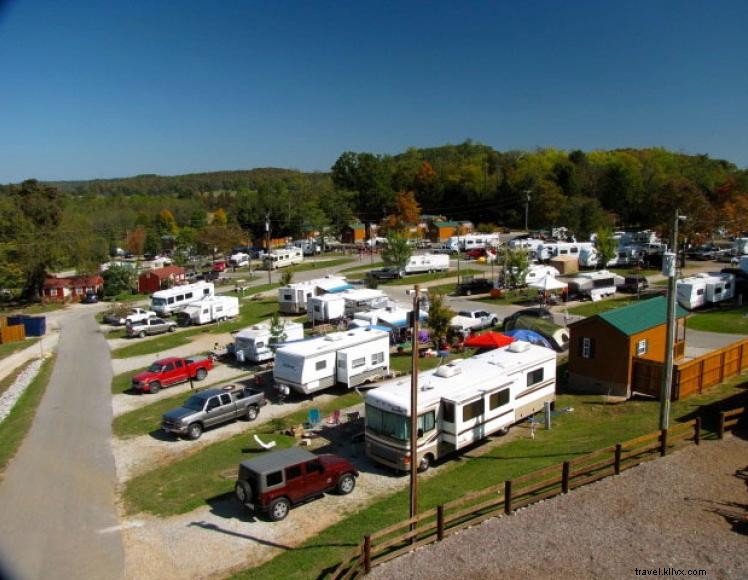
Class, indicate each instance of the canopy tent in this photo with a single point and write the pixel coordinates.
(529, 336)
(488, 339)
(548, 284)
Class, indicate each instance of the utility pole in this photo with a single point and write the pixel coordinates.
(267, 247)
(527, 207)
(414, 409)
(669, 263)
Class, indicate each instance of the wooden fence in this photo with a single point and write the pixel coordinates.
(435, 524)
(728, 420)
(12, 333)
(693, 376)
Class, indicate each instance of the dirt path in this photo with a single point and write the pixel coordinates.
(678, 512)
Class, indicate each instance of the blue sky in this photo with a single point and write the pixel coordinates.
(118, 88)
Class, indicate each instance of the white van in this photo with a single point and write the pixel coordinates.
(167, 302)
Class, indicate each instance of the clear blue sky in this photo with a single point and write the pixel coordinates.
(117, 88)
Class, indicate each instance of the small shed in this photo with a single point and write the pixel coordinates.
(70, 288)
(565, 265)
(155, 280)
(603, 349)
(353, 234)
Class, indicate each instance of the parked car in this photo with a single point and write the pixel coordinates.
(213, 407)
(170, 371)
(90, 298)
(470, 285)
(634, 283)
(273, 482)
(219, 266)
(150, 326)
(388, 273)
(535, 311)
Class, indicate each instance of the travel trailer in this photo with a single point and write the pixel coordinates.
(527, 244)
(352, 358)
(293, 299)
(363, 300)
(458, 404)
(704, 288)
(594, 285)
(282, 258)
(427, 263)
(473, 242)
(209, 309)
(538, 272)
(308, 247)
(549, 250)
(239, 260)
(325, 308)
(167, 302)
(254, 344)
(740, 247)
(393, 318)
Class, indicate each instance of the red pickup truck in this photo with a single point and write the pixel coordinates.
(170, 371)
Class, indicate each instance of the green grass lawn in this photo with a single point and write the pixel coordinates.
(364, 267)
(126, 297)
(591, 426)
(16, 425)
(318, 265)
(32, 309)
(527, 295)
(728, 319)
(145, 419)
(592, 308)
(259, 289)
(9, 348)
(122, 382)
(186, 484)
(421, 278)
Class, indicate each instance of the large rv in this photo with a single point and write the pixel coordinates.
(352, 357)
(458, 404)
(294, 298)
(704, 288)
(282, 258)
(427, 263)
(254, 344)
(594, 285)
(167, 302)
(550, 250)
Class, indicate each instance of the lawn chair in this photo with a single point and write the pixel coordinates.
(314, 418)
(334, 419)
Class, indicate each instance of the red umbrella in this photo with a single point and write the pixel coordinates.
(488, 339)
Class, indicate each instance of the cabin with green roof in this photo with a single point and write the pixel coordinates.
(604, 348)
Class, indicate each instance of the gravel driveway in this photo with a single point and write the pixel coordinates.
(676, 512)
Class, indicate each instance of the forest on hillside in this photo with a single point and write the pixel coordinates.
(75, 224)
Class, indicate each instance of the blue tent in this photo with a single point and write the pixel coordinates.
(529, 336)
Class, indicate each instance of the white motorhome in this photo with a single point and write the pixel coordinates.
(550, 250)
(239, 260)
(704, 288)
(167, 302)
(209, 309)
(352, 357)
(392, 318)
(254, 344)
(594, 285)
(458, 404)
(427, 263)
(294, 298)
(527, 244)
(282, 258)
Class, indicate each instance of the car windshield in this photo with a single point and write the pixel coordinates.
(386, 423)
(154, 368)
(158, 301)
(194, 403)
(464, 313)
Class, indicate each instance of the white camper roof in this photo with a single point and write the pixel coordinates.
(704, 278)
(334, 297)
(253, 331)
(362, 294)
(461, 379)
(328, 284)
(333, 341)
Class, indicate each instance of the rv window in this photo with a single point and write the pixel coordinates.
(180, 298)
(426, 422)
(574, 250)
(472, 410)
(219, 309)
(171, 299)
(188, 295)
(386, 423)
(293, 472)
(206, 311)
(641, 347)
(700, 292)
(496, 400)
(534, 377)
(358, 362)
(377, 358)
(448, 412)
(259, 344)
(206, 291)
(274, 478)
(320, 364)
(718, 290)
(287, 296)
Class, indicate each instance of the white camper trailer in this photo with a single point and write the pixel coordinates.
(325, 308)
(282, 258)
(392, 318)
(704, 288)
(427, 263)
(352, 357)
(239, 260)
(167, 302)
(594, 285)
(254, 344)
(538, 272)
(473, 242)
(458, 404)
(550, 250)
(363, 300)
(294, 298)
(209, 309)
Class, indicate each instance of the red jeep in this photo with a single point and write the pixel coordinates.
(275, 481)
(170, 371)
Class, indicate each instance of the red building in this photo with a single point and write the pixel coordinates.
(154, 280)
(70, 288)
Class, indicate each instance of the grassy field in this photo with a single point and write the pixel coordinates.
(592, 308)
(528, 296)
(364, 267)
(9, 348)
(122, 382)
(186, 484)
(145, 419)
(162, 343)
(421, 278)
(402, 362)
(321, 265)
(592, 425)
(32, 309)
(16, 425)
(729, 319)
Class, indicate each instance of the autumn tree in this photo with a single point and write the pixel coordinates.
(166, 225)
(136, 240)
(407, 212)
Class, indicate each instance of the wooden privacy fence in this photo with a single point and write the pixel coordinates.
(12, 333)
(435, 524)
(693, 376)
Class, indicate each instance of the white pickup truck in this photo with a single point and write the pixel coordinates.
(467, 320)
(134, 316)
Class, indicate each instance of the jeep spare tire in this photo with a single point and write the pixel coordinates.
(243, 491)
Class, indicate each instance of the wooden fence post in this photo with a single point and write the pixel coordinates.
(440, 522)
(721, 425)
(367, 554)
(617, 461)
(508, 497)
(565, 477)
(697, 430)
(663, 442)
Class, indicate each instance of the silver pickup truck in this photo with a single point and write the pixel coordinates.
(213, 407)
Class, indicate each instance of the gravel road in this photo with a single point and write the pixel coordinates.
(676, 512)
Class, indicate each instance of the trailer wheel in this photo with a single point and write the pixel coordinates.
(425, 463)
(504, 431)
